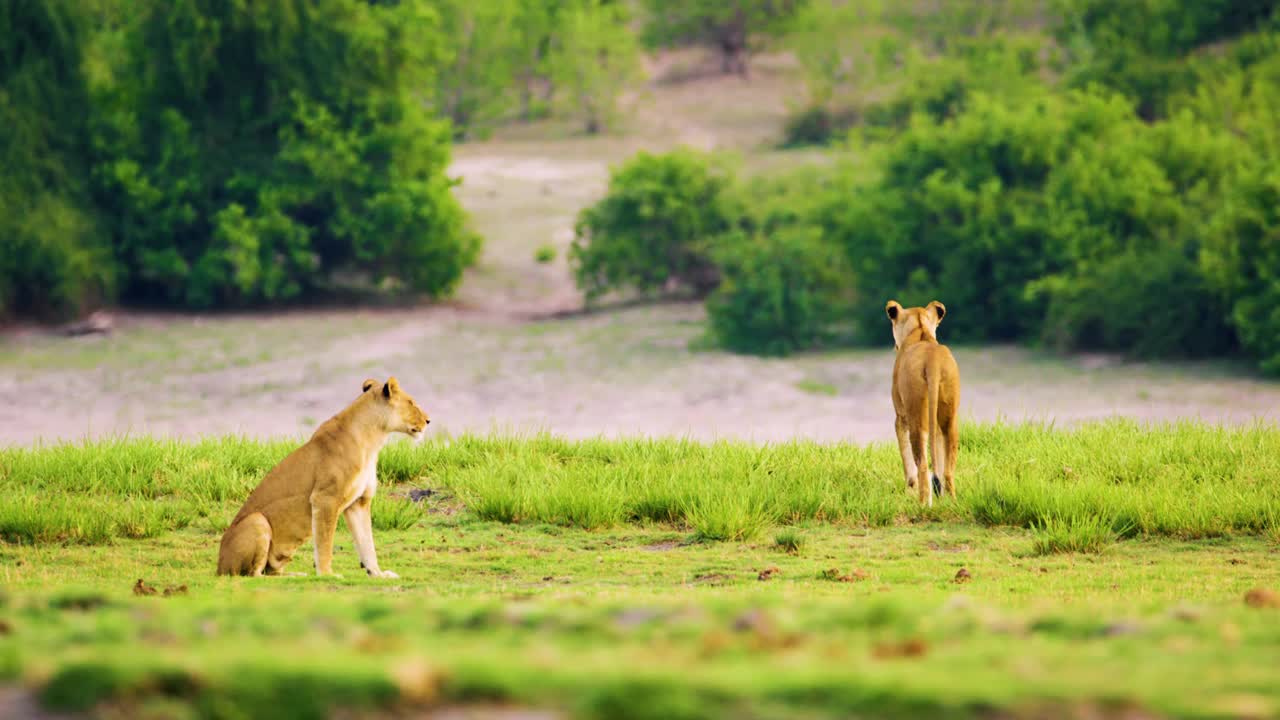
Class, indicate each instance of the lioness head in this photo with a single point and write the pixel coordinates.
(402, 414)
(907, 320)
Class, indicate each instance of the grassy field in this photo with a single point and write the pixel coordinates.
(1104, 575)
(1105, 566)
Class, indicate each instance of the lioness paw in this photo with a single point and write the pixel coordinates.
(382, 574)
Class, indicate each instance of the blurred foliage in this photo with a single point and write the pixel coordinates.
(654, 228)
(593, 59)
(245, 161)
(53, 256)
(729, 26)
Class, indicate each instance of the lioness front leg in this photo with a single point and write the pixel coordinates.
(324, 523)
(360, 520)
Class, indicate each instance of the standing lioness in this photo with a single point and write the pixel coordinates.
(926, 398)
(334, 472)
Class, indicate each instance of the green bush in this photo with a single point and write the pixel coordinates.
(654, 228)
(779, 292)
(1138, 48)
(53, 258)
(959, 213)
(1152, 304)
(1067, 218)
(1132, 211)
(940, 86)
(1242, 261)
(246, 161)
(730, 26)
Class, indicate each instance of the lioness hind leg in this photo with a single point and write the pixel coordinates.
(919, 441)
(904, 447)
(951, 431)
(245, 546)
(940, 455)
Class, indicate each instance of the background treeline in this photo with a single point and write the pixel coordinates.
(1087, 173)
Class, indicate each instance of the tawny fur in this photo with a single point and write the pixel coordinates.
(926, 398)
(334, 473)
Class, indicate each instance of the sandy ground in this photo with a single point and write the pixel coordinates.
(505, 357)
(620, 373)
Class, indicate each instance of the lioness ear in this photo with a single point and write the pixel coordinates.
(368, 383)
(391, 388)
(891, 309)
(938, 309)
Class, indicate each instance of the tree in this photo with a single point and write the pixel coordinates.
(52, 259)
(482, 39)
(727, 25)
(593, 59)
(254, 149)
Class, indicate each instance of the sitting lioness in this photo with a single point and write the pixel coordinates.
(926, 398)
(334, 473)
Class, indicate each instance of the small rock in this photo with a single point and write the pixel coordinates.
(912, 648)
(1262, 598)
(962, 576)
(420, 494)
(834, 575)
(97, 323)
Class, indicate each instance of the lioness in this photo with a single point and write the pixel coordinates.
(926, 397)
(334, 472)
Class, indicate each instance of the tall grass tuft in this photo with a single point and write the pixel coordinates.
(789, 540)
(395, 513)
(1089, 534)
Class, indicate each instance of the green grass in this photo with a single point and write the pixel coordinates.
(1077, 534)
(1184, 480)
(816, 387)
(790, 540)
(624, 579)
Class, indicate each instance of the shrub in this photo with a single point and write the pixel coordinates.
(654, 228)
(813, 125)
(779, 292)
(1137, 47)
(959, 213)
(593, 59)
(1067, 218)
(324, 161)
(783, 287)
(1151, 304)
(729, 26)
(1242, 261)
(544, 253)
(1131, 212)
(941, 86)
(53, 259)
